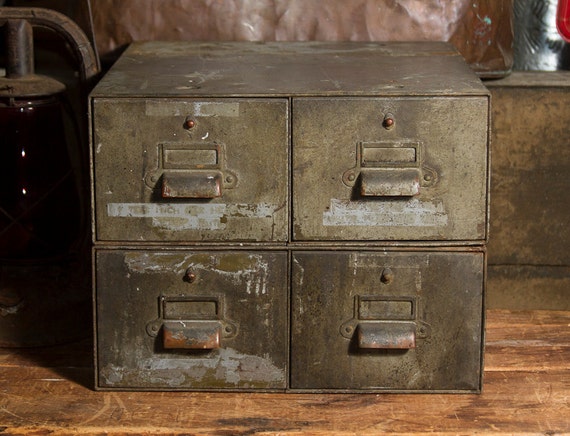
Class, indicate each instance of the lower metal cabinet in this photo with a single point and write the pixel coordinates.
(360, 320)
(387, 321)
(191, 320)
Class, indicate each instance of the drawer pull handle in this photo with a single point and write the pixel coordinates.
(386, 335)
(191, 335)
(388, 182)
(195, 184)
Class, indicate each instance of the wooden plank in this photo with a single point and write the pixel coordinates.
(517, 402)
(526, 390)
(529, 234)
(498, 319)
(537, 79)
(527, 341)
(530, 199)
(523, 287)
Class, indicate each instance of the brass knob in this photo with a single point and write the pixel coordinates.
(388, 122)
(189, 123)
(387, 276)
(189, 276)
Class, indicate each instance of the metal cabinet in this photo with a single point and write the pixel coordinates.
(290, 217)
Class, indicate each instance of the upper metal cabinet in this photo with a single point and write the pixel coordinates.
(190, 170)
(405, 168)
(239, 69)
(193, 142)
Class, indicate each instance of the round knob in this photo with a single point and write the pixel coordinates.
(387, 276)
(189, 123)
(388, 122)
(189, 276)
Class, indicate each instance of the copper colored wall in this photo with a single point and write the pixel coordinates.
(480, 29)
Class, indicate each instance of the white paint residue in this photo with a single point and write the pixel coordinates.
(413, 213)
(256, 278)
(253, 277)
(169, 108)
(216, 109)
(354, 262)
(418, 281)
(173, 216)
(299, 279)
(227, 365)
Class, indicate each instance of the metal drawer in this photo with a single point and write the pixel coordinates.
(191, 320)
(190, 170)
(387, 321)
(407, 169)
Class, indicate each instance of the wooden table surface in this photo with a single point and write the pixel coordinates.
(526, 390)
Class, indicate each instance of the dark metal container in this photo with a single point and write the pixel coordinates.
(290, 217)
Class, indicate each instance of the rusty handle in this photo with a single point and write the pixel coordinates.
(389, 182)
(192, 184)
(64, 26)
(191, 335)
(386, 335)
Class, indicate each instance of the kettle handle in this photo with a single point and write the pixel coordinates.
(63, 26)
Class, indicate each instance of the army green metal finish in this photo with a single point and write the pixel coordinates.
(143, 296)
(422, 309)
(147, 150)
(431, 166)
(290, 217)
(269, 69)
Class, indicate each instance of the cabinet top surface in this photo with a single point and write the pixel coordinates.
(250, 69)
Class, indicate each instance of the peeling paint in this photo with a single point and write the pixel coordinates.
(413, 213)
(226, 367)
(252, 269)
(175, 217)
(170, 108)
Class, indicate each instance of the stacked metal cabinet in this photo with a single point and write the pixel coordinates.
(290, 216)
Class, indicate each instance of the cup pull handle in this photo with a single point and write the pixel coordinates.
(192, 184)
(191, 335)
(390, 182)
(386, 335)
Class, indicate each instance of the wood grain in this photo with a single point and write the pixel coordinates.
(530, 199)
(526, 390)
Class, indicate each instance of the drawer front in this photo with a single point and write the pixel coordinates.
(190, 170)
(191, 320)
(396, 321)
(390, 169)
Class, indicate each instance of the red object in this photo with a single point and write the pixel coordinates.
(563, 19)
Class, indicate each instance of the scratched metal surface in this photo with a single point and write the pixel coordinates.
(186, 109)
(268, 69)
(444, 297)
(448, 138)
(137, 141)
(251, 301)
